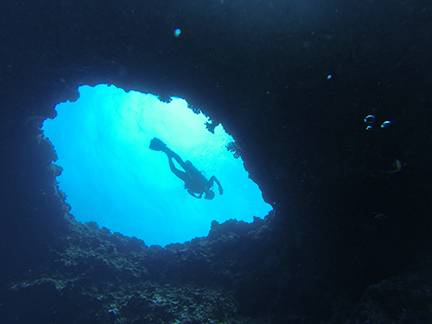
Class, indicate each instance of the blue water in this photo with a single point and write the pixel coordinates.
(112, 177)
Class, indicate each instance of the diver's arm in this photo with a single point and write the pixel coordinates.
(213, 178)
(195, 195)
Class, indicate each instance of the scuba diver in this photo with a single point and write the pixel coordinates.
(195, 183)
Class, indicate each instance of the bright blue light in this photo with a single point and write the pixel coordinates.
(177, 32)
(112, 177)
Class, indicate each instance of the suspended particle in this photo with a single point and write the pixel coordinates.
(386, 124)
(329, 76)
(177, 32)
(370, 119)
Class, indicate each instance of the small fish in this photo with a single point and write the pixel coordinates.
(396, 167)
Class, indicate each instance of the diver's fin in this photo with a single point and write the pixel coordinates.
(157, 145)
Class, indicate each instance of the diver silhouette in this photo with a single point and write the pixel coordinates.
(195, 182)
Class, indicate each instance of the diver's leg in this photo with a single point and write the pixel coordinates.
(175, 156)
(177, 172)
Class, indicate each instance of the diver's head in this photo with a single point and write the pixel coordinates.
(209, 194)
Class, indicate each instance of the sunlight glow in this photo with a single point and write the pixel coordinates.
(112, 177)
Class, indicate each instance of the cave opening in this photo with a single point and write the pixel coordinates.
(111, 174)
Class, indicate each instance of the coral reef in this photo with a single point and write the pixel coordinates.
(120, 280)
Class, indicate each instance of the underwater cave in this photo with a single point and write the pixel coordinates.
(111, 176)
(307, 195)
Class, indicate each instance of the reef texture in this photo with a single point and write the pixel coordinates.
(402, 299)
(100, 277)
(348, 238)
